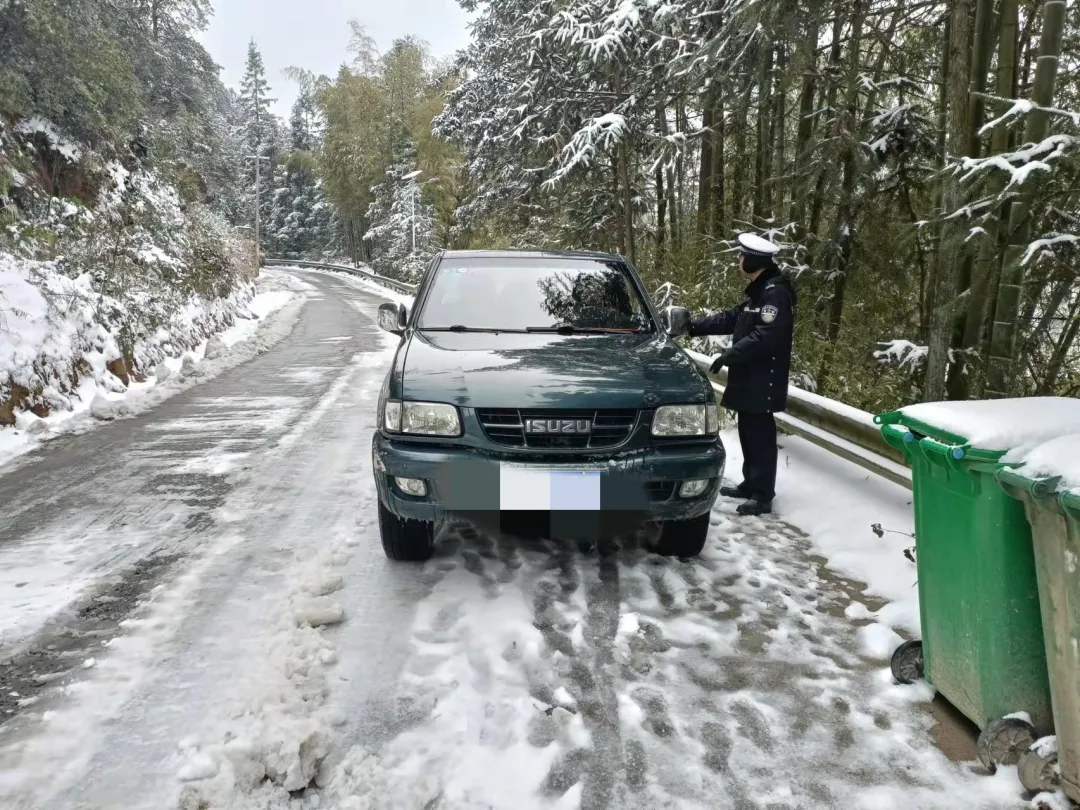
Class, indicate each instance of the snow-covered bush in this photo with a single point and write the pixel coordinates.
(107, 283)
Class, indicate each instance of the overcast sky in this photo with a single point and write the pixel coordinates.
(313, 34)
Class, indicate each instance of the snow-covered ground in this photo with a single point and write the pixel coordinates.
(237, 639)
(94, 400)
(838, 505)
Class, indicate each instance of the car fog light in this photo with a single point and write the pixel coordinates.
(691, 489)
(412, 486)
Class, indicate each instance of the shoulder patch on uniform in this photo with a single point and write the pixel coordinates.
(769, 313)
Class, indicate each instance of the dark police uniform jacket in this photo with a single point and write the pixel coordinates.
(762, 330)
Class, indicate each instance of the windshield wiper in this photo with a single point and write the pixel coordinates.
(457, 327)
(569, 329)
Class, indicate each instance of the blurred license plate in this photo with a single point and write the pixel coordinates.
(523, 488)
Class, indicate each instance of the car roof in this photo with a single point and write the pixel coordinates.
(531, 254)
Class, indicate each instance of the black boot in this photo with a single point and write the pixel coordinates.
(754, 508)
(735, 492)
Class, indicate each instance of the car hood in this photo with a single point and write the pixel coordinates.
(511, 370)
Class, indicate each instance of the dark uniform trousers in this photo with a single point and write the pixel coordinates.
(759, 362)
(757, 437)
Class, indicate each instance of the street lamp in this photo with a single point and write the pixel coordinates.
(409, 178)
(414, 189)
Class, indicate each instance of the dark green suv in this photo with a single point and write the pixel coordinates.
(542, 384)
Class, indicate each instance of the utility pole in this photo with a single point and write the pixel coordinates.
(258, 206)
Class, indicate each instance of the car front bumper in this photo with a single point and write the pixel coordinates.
(643, 484)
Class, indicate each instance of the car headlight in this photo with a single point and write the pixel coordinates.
(421, 418)
(685, 420)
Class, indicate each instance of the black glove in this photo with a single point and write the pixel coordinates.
(720, 362)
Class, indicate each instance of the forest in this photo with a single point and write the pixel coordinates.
(916, 160)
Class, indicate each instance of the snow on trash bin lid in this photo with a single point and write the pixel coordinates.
(1057, 457)
(1001, 424)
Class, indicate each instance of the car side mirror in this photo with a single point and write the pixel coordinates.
(676, 321)
(393, 318)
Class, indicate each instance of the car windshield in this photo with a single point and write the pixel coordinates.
(533, 294)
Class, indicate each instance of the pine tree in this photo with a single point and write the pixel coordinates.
(300, 222)
(260, 135)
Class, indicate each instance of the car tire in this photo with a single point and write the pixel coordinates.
(406, 540)
(683, 538)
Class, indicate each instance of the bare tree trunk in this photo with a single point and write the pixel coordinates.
(847, 135)
(705, 168)
(1026, 46)
(630, 244)
(1010, 289)
(987, 272)
(719, 170)
(835, 55)
(661, 212)
(983, 270)
(981, 48)
(950, 249)
(673, 212)
(661, 199)
(805, 129)
(759, 150)
(738, 194)
(676, 211)
(958, 383)
(777, 133)
(617, 221)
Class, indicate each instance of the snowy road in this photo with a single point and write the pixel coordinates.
(195, 612)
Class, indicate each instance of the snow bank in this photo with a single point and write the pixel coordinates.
(259, 318)
(47, 324)
(1002, 424)
(56, 330)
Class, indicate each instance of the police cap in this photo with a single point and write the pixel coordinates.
(754, 245)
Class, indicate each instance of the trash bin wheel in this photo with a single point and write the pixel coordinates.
(907, 662)
(1038, 773)
(1004, 741)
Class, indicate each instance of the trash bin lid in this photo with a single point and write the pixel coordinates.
(995, 425)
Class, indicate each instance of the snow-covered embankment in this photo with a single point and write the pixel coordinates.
(62, 369)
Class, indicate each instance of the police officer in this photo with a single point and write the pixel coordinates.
(758, 363)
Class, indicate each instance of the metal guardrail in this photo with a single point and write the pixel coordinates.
(838, 428)
(842, 430)
(393, 284)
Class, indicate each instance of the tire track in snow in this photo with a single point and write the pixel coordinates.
(605, 772)
(740, 679)
(623, 679)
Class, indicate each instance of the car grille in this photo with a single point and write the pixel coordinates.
(660, 490)
(506, 426)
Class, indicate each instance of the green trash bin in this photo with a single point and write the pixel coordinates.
(982, 640)
(1055, 527)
